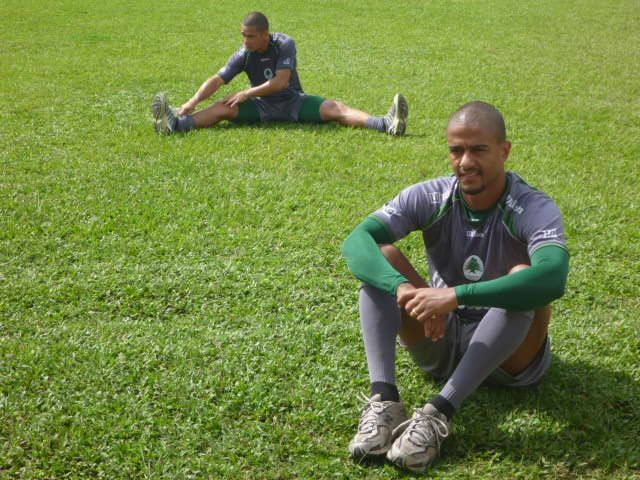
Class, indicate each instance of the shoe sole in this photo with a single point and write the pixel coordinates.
(399, 125)
(360, 453)
(397, 461)
(159, 108)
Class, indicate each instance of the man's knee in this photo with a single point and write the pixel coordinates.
(225, 112)
(391, 252)
(518, 267)
(331, 110)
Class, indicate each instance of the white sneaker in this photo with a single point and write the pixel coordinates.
(164, 116)
(376, 426)
(396, 119)
(420, 438)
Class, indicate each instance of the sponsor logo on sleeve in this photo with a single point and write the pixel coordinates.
(513, 205)
(551, 233)
(434, 197)
(286, 61)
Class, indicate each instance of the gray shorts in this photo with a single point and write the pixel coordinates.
(439, 359)
(286, 110)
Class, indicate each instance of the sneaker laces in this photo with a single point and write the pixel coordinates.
(422, 427)
(372, 409)
(388, 118)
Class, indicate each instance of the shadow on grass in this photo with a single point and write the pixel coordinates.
(303, 126)
(581, 418)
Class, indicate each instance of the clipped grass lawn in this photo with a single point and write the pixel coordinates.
(178, 307)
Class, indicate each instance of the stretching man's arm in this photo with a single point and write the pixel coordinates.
(208, 88)
(279, 82)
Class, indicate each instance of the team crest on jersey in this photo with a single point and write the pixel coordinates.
(473, 268)
(268, 73)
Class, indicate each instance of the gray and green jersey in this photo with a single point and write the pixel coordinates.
(261, 67)
(471, 251)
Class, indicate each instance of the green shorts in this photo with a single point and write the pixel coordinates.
(303, 108)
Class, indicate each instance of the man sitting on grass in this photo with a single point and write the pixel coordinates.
(269, 59)
(497, 257)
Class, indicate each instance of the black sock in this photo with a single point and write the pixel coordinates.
(443, 405)
(387, 391)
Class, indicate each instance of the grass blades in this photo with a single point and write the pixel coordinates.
(177, 307)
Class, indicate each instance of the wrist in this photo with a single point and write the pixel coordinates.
(459, 292)
(454, 298)
(402, 287)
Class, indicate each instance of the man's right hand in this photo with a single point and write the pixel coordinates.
(434, 325)
(187, 108)
(404, 293)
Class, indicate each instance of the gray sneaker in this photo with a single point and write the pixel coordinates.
(420, 438)
(395, 120)
(376, 426)
(164, 116)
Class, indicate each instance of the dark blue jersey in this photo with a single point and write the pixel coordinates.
(261, 67)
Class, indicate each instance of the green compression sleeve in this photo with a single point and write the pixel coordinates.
(527, 289)
(365, 259)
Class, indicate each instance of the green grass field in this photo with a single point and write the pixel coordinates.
(177, 307)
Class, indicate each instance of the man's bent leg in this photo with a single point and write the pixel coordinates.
(503, 339)
(382, 319)
(496, 337)
(433, 358)
(533, 342)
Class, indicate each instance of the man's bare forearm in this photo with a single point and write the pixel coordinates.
(208, 88)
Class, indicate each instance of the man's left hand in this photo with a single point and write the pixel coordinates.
(235, 99)
(425, 303)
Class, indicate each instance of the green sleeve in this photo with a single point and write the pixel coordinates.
(365, 259)
(527, 289)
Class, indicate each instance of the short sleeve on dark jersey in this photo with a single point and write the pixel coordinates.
(414, 207)
(234, 66)
(287, 56)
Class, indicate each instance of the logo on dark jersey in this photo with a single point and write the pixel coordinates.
(434, 197)
(389, 210)
(473, 268)
(268, 73)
